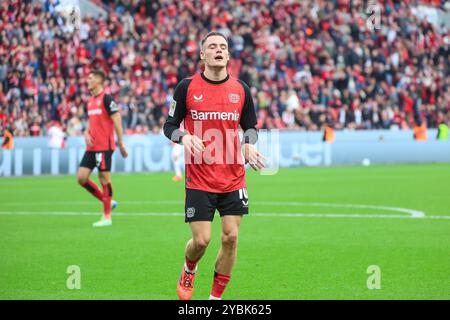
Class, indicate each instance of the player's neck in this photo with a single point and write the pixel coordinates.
(97, 91)
(215, 74)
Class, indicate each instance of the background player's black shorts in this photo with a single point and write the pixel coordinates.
(97, 159)
(201, 205)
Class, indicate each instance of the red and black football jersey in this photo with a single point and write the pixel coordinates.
(213, 111)
(101, 127)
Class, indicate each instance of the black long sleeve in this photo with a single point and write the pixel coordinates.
(110, 106)
(177, 112)
(248, 117)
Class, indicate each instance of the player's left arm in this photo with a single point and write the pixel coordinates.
(248, 125)
(113, 110)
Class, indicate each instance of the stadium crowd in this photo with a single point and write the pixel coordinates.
(309, 63)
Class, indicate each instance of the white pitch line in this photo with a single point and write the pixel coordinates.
(413, 213)
(128, 202)
(177, 214)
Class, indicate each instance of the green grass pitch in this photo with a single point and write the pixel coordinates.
(311, 234)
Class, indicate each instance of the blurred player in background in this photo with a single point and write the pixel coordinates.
(8, 139)
(177, 159)
(213, 103)
(104, 119)
(442, 134)
(56, 136)
(420, 131)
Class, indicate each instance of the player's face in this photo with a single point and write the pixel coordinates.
(215, 52)
(93, 82)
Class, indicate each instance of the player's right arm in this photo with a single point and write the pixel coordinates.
(177, 112)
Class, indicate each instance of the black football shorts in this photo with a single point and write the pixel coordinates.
(97, 159)
(201, 205)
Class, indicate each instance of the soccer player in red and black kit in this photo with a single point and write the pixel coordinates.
(103, 120)
(213, 105)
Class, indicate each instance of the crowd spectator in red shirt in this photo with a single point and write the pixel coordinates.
(308, 63)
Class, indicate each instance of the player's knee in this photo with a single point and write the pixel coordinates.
(82, 180)
(229, 239)
(104, 180)
(201, 242)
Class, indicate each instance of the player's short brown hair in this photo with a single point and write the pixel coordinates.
(210, 34)
(99, 73)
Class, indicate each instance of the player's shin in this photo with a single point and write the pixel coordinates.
(224, 265)
(107, 196)
(193, 254)
(227, 254)
(220, 282)
(190, 265)
(92, 188)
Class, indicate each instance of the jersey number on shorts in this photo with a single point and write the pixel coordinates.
(98, 159)
(243, 196)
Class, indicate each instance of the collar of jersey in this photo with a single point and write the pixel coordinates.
(99, 93)
(215, 82)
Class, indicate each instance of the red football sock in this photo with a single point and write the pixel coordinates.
(93, 189)
(107, 195)
(191, 264)
(219, 284)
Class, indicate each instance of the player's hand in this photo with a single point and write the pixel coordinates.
(123, 150)
(88, 139)
(193, 143)
(253, 157)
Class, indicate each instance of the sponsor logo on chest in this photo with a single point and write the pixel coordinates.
(94, 108)
(214, 115)
(220, 114)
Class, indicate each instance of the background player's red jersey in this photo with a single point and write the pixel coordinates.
(212, 109)
(101, 127)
